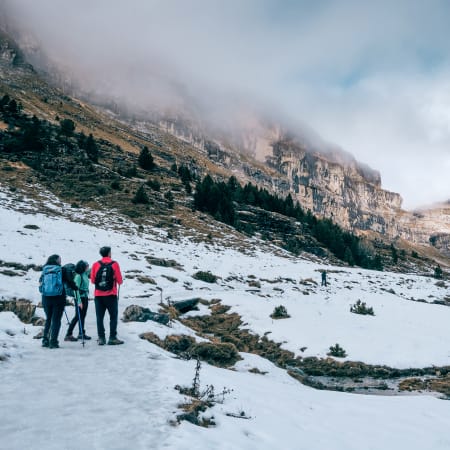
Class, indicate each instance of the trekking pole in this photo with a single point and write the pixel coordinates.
(80, 324)
(68, 323)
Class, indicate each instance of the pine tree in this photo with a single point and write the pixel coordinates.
(91, 148)
(394, 254)
(348, 257)
(67, 127)
(145, 159)
(141, 196)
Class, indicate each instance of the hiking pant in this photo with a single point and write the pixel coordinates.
(110, 303)
(83, 312)
(54, 309)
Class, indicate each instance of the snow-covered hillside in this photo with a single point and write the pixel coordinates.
(124, 398)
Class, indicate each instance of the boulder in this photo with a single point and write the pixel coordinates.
(135, 313)
(184, 306)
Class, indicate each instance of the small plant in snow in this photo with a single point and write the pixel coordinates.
(200, 400)
(361, 308)
(280, 312)
(207, 277)
(337, 351)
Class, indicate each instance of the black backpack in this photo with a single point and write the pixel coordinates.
(104, 278)
(69, 269)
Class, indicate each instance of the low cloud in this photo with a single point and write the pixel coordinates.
(371, 77)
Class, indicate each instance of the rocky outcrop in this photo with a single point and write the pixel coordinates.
(135, 313)
(345, 191)
(321, 177)
(428, 226)
(22, 308)
(332, 184)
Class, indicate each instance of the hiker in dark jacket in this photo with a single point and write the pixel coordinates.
(54, 304)
(324, 277)
(81, 280)
(106, 296)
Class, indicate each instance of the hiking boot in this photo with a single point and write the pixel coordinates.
(70, 338)
(53, 344)
(45, 342)
(101, 341)
(86, 337)
(114, 341)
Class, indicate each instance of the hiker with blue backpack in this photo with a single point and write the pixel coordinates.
(51, 286)
(81, 280)
(106, 276)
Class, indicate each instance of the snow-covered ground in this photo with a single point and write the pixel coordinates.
(124, 398)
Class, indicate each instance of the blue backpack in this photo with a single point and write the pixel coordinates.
(50, 282)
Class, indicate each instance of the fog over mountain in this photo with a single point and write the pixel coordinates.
(371, 78)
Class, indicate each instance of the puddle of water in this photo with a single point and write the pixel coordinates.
(366, 386)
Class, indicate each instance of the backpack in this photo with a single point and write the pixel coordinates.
(70, 274)
(104, 278)
(50, 282)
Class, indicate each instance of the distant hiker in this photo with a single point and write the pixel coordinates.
(81, 280)
(51, 287)
(106, 276)
(324, 277)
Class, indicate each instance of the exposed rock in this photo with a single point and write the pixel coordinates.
(163, 262)
(184, 306)
(172, 279)
(135, 313)
(146, 280)
(24, 309)
(428, 226)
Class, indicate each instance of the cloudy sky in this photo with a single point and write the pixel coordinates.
(372, 77)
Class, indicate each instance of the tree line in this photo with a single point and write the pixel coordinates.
(221, 199)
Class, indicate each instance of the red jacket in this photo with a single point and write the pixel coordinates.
(117, 277)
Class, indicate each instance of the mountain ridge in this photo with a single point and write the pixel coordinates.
(350, 194)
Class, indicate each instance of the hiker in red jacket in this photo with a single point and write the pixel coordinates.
(106, 276)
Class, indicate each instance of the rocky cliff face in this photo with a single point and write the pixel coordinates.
(428, 226)
(343, 190)
(329, 183)
(325, 180)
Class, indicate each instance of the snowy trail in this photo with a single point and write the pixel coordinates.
(92, 398)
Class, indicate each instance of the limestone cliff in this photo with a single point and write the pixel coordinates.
(323, 178)
(327, 181)
(429, 225)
